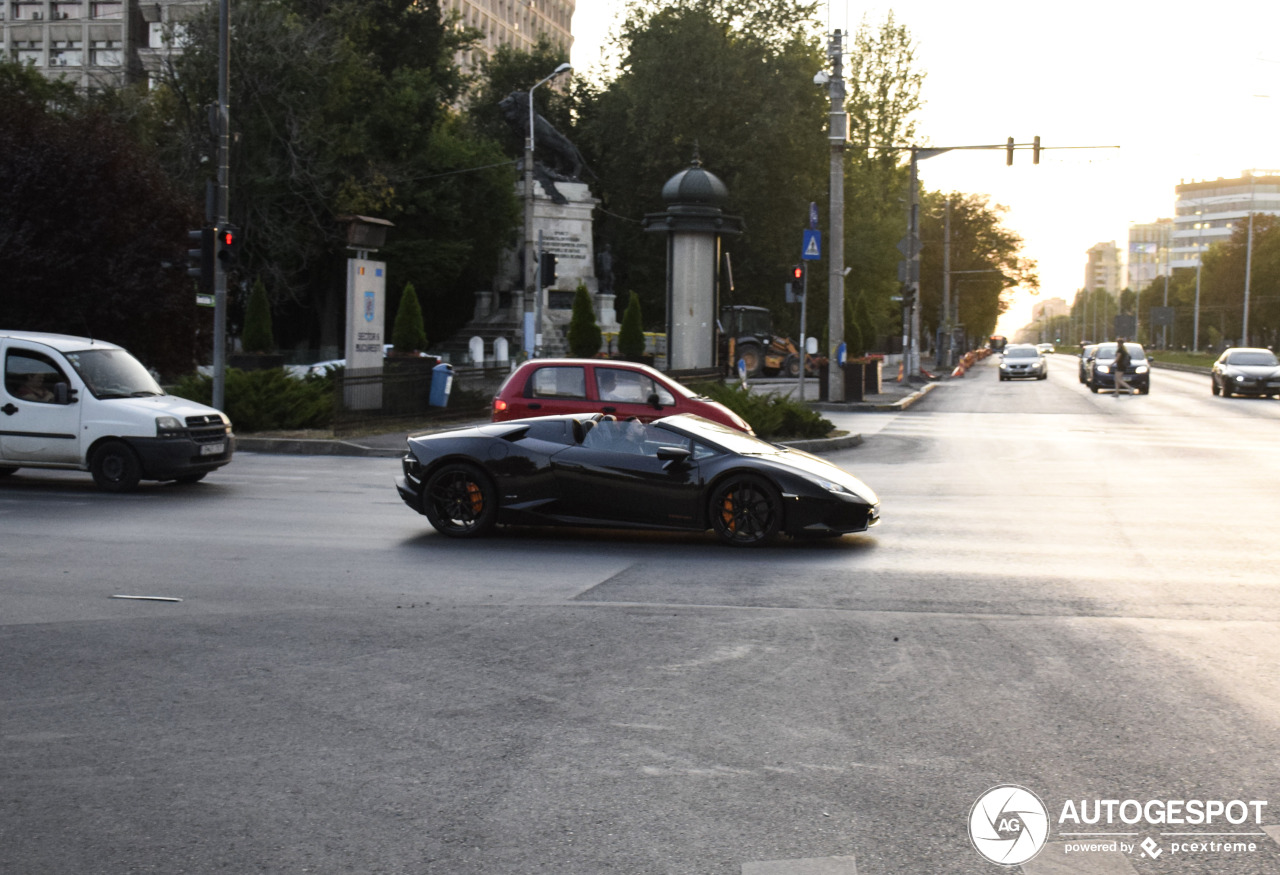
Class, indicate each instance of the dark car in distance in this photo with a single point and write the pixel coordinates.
(545, 387)
(679, 473)
(1245, 370)
(1102, 368)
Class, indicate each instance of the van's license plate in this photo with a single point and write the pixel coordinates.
(214, 449)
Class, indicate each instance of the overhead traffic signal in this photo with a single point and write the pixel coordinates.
(1035, 151)
(200, 256)
(1008, 158)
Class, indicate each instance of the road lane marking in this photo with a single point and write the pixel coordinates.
(812, 866)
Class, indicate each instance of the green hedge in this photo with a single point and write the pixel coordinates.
(772, 416)
(268, 400)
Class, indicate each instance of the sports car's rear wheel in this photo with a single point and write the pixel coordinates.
(460, 501)
(746, 510)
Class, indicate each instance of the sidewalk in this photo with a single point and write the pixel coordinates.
(391, 445)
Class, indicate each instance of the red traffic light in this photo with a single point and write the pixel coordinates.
(797, 272)
(228, 244)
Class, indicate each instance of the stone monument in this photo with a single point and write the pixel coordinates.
(561, 222)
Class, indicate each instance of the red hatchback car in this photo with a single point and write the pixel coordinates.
(546, 387)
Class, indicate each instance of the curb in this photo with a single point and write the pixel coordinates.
(312, 447)
(320, 447)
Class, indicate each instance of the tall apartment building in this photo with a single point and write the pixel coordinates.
(1102, 273)
(94, 43)
(1208, 212)
(1150, 255)
(110, 43)
(516, 23)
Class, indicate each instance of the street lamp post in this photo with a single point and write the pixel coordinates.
(532, 292)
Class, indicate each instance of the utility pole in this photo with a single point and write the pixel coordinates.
(837, 137)
(221, 210)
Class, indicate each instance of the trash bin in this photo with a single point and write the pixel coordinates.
(873, 376)
(441, 384)
(853, 380)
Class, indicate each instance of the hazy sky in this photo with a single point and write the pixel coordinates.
(1188, 91)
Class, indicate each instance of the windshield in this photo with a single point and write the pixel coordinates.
(721, 435)
(1021, 352)
(755, 322)
(113, 373)
(1108, 351)
(1253, 357)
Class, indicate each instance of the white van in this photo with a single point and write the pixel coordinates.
(72, 402)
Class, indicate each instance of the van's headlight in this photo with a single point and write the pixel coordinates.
(169, 426)
(1104, 369)
(1141, 369)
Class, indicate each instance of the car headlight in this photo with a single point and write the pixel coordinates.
(1240, 378)
(837, 488)
(1141, 369)
(1104, 369)
(1003, 366)
(168, 426)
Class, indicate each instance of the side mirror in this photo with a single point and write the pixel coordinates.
(673, 455)
(63, 394)
(653, 401)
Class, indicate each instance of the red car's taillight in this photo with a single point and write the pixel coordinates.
(499, 405)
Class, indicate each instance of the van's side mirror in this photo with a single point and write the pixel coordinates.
(63, 394)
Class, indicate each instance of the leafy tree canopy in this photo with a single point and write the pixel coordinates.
(92, 232)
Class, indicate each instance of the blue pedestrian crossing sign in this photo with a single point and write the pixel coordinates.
(811, 249)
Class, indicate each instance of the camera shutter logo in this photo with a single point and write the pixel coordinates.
(1008, 825)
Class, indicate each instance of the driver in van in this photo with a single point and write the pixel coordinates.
(33, 388)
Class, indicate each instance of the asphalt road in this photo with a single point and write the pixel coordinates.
(1070, 592)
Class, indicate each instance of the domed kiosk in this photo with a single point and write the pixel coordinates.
(694, 222)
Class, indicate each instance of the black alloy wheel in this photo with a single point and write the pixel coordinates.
(460, 501)
(115, 467)
(745, 510)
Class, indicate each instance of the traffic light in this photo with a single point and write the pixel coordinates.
(1008, 158)
(1035, 151)
(547, 267)
(200, 256)
(795, 284)
(228, 245)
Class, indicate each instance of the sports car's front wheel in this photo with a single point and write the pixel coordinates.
(746, 510)
(460, 501)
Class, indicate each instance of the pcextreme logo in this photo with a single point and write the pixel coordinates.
(1008, 824)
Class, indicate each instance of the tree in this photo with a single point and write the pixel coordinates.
(732, 83)
(631, 332)
(584, 334)
(986, 263)
(346, 107)
(257, 336)
(92, 231)
(408, 335)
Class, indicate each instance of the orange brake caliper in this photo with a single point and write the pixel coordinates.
(476, 496)
(727, 514)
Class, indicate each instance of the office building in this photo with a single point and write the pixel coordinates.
(1149, 253)
(1209, 212)
(516, 23)
(1102, 272)
(111, 43)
